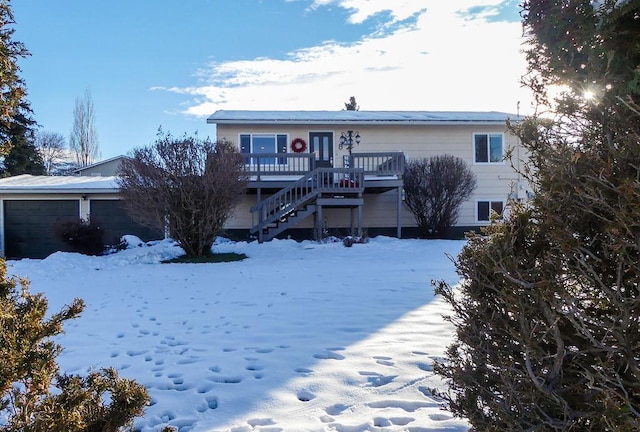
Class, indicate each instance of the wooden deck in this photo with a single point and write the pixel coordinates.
(296, 188)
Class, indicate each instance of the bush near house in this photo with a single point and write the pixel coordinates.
(435, 188)
(82, 235)
(187, 185)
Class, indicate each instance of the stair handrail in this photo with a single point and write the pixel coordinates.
(305, 189)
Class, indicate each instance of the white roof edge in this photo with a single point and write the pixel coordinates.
(360, 117)
(22, 190)
(360, 122)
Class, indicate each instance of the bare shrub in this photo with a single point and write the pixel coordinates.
(186, 185)
(435, 188)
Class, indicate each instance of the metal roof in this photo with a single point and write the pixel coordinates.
(360, 117)
(27, 183)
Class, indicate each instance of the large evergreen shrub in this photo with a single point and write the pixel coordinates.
(547, 315)
(34, 396)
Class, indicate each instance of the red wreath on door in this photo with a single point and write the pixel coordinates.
(298, 145)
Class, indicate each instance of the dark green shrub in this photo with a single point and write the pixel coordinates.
(34, 396)
(547, 315)
(83, 236)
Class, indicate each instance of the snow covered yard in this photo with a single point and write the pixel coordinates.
(298, 337)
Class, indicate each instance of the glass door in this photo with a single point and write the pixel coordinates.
(321, 144)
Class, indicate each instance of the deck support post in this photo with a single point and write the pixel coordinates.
(399, 213)
(351, 227)
(360, 220)
(318, 224)
(260, 216)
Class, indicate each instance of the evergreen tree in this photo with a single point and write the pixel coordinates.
(23, 157)
(12, 87)
(547, 315)
(352, 105)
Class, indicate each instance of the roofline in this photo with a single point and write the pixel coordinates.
(102, 162)
(358, 122)
(23, 190)
(406, 118)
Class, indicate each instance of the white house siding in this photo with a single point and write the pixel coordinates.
(495, 180)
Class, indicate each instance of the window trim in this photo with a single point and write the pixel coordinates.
(490, 201)
(488, 135)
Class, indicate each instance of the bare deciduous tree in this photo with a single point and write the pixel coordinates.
(187, 185)
(84, 139)
(51, 146)
(435, 188)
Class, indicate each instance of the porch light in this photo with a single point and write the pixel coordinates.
(347, 139)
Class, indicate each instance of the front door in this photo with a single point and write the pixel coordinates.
(321, 144)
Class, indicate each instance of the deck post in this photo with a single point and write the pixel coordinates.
(360, 220)
(351, 228)
(399, 213)
(260, 216)
(319, 223)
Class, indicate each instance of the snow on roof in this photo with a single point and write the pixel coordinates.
(35, 184)
(360, 117)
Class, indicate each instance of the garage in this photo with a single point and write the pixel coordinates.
(116, 222)
(29, 226)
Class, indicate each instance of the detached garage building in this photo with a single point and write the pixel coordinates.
(32, 206)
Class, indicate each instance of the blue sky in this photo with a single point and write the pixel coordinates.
(173, 63)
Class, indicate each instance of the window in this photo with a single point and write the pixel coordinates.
(264, 143)
(487, 148)
(485, 208)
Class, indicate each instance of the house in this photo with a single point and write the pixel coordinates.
(341, 171)
(104, 168)
(311, 173)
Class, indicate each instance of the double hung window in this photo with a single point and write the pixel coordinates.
(488, 148)
(485, 208)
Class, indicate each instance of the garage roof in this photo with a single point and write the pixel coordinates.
(27, 183)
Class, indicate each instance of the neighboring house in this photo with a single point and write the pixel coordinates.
(32, 206)
(303, 178)
(105, 168)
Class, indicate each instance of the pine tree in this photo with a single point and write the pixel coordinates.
(547, 315)
(12, 87)
(23, 157)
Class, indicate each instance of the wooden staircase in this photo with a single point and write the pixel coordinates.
(289, 206)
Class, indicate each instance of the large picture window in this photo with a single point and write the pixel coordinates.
(264, 143)
(488, 148)
(484, 209)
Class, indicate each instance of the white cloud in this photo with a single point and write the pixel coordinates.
(442, 61)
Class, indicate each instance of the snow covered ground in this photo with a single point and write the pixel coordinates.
(298, 337)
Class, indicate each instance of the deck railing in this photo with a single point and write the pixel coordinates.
(379, 164)
(284, 164)
(260, 164)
